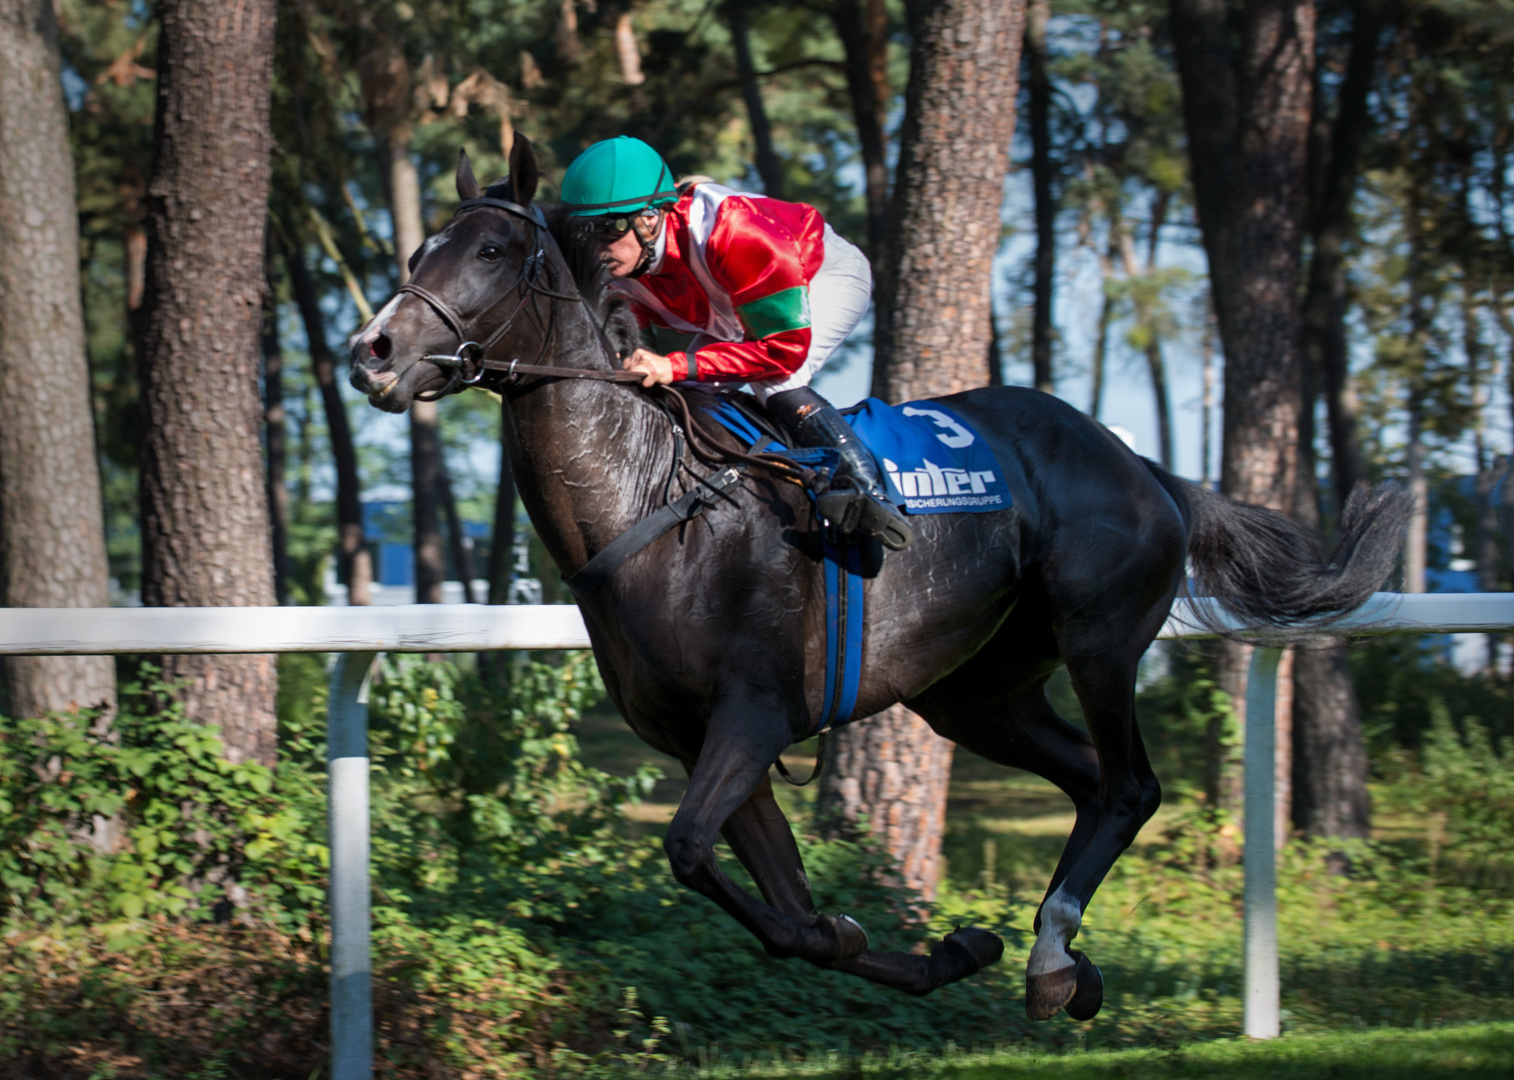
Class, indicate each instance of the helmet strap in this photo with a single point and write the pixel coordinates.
(648, 247)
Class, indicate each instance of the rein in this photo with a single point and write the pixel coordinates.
(530, 281)
(471, 360)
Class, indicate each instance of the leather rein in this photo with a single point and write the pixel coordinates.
(471, 361)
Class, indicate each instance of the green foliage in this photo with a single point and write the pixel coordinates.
(1402, 681)
(1471, 781)
(519, 927)
(139, 818)
(1460, 791)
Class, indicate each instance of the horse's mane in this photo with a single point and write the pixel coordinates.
(585, 258)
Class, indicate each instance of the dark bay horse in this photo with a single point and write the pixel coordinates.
(712, 639)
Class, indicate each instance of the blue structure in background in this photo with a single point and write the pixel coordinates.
(396, 563)
(387, 526)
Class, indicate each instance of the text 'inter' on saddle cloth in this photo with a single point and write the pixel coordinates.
(934, 461)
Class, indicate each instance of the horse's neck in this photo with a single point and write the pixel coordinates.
(590, 458)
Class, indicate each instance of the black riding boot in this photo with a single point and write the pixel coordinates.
(856, 499)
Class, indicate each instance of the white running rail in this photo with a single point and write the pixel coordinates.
(358, 634)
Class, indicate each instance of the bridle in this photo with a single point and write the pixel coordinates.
(471, 360)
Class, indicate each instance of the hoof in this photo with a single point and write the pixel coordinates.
(1090, 992)
(1048, 993)
(851, 939)
(978, 947)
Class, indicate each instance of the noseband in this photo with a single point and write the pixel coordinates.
(471, 360)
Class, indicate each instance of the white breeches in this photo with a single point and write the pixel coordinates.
(839, 296)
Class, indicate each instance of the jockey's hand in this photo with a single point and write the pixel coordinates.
(657, 369)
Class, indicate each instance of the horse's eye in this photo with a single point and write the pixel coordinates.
(490, 253)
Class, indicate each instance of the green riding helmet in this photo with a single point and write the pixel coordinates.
(617, 176)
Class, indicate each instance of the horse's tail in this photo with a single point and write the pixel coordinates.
(1268, 570)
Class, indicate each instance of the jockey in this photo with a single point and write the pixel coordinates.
(767, 289)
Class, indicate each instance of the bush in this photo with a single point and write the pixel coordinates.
(143, 818)
(518, 928)
(484, 820)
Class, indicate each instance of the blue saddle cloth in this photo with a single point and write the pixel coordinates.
(936, 464)
(934, 460)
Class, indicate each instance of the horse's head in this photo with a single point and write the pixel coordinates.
(469, 266)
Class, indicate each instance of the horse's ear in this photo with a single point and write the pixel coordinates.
(467, 183)
(523, 171)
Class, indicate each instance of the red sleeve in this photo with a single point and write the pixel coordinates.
(764, 252)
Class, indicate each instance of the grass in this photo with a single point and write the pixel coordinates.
(1469, 1052)
(1390, 947)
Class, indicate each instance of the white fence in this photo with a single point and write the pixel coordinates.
(358, 635)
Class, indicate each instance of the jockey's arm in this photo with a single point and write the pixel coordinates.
(765, 265)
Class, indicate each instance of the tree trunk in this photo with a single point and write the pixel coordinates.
(1101, 340)
(426, 467)
(933, 301)
(864, 36)
(1222, 754)
(1248, 129)
(1329, 755)
(932, 335)
(501, 558)
(458, 544)
(276, 437)
(567, 31)
(629, 55)
(52, 535)
(897, 776)
(355, 567)
(1206, 405)
(1156, 367)
(1146, 314)
(425, 426)
(1041, 167)
(995, 351)
(204, 514)
(1247, 112)
(1415, 543)
(1330, 795)
(502, 539)
(1325, 300)
(769, 168)
(1420, 323)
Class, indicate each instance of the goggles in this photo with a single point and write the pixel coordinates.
(612, 227)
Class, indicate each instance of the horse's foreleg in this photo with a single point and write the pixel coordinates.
(729, 789)
(761, 838)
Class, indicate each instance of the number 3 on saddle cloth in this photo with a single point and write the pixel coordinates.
(935, 464)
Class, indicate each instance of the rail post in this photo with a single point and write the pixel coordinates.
(351, 964)
(1261, 984)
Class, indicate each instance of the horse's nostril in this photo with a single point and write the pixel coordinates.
(381, 346)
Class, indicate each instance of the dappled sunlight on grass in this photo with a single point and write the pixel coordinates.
(1465, 1053)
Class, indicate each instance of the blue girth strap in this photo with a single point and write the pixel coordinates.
(844, 608)
(843, 632)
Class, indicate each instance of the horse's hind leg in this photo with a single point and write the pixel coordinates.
(1129, 794)
(1019, 728)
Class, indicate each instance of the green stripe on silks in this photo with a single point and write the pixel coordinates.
(788, 309)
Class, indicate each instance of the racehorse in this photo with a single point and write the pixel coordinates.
(712, 639)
